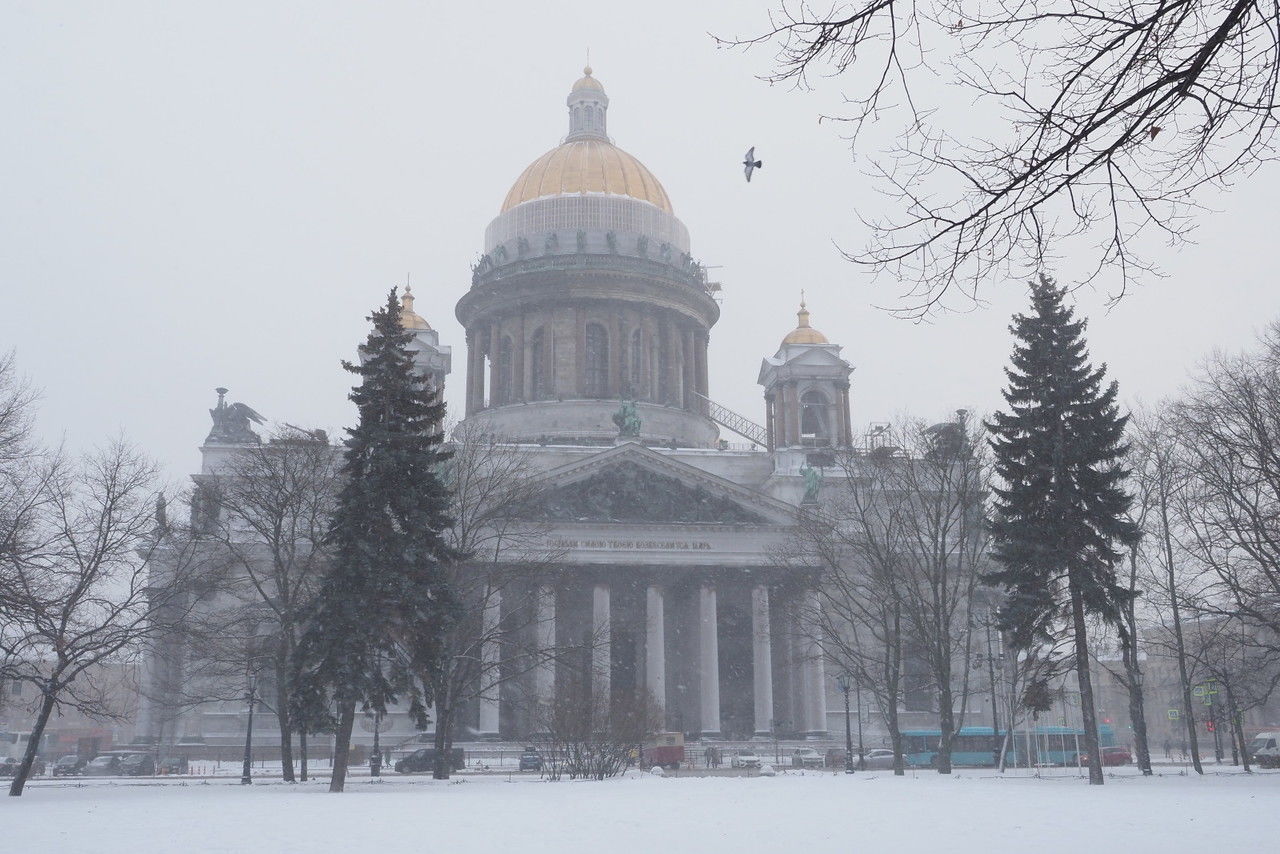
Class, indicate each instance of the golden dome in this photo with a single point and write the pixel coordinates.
(587, 166)
(804, 333)
(587, 82)
(410, 319)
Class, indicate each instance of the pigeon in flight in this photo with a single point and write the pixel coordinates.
(750, 163)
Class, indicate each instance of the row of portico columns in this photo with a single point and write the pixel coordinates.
(808, 659)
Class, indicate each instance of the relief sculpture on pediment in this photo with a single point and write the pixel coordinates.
(631, 493)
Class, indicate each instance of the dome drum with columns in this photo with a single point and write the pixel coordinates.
(587, 295)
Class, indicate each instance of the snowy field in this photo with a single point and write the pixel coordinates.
(813, 813)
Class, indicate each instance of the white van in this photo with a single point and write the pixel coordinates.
(1264, 749)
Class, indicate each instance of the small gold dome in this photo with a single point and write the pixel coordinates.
(410, 319)
(804, 333)
(587, 82)
(587, 166)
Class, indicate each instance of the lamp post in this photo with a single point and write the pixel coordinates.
(843, 681)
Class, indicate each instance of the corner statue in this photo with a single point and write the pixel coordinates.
(628, 420)
(231, 423)
(812, 483)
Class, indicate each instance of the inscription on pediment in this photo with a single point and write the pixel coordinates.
(630, 493)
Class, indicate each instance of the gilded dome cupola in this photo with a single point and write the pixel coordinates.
(586, 293)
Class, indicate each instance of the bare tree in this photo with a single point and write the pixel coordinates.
(1112, 119)
(79, 591)
(900, 541)
(24, 469)
(858, 539)
(941, 491)
(500, 541)
(274, 502)
(1230, 428)
(1240, 665)
(1160, 473)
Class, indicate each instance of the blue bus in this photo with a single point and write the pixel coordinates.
(976, 746)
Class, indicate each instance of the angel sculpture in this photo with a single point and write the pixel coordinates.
(231, 422)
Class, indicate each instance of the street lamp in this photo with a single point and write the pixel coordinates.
(844, 682)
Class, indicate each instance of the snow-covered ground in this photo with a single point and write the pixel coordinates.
(813, 813)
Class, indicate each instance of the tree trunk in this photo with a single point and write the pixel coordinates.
(286, 730)
(342, 745)
(1004, 747)
(1237, 728)
(1086, 684)
(892, 682)
(33, 745)
(1133, 673)
(442, 767)
(946, 723)
(302, 751)
(1187, 709)
(1137, 712)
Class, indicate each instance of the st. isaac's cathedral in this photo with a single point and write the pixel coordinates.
(587, 329)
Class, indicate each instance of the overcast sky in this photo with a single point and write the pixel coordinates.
(196, 194)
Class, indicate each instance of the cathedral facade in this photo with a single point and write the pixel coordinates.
(588, 324)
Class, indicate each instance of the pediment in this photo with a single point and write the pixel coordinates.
(634, 484)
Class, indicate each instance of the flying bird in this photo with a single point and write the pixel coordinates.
(750, 163)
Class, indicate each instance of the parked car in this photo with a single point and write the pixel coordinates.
(807, 757)
(138, 765)
(745, 758)
(103, 765)
(1110, 756)
(530, 760)
(424, 759)
(1264, 750)
(878, 759)
(69, 766)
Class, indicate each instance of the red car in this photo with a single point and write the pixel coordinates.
(1111, 756)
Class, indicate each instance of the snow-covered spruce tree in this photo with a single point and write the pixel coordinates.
(385, 604)
(1060, 504)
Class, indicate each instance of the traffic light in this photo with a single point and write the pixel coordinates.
(1209, 726)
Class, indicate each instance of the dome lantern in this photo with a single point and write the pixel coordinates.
(804, 333)
(588, 105)
(409, 319)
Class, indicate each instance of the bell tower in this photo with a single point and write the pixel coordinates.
(806, 390)
(430, 357)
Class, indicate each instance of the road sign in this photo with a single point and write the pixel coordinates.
(1174, 714)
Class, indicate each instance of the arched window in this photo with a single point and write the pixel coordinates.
(597, 361)
(502, 393)
(539, 387)
(635, 362)
(815, 418)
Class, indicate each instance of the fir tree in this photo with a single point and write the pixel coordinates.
(1060, 506)
(385, 603)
